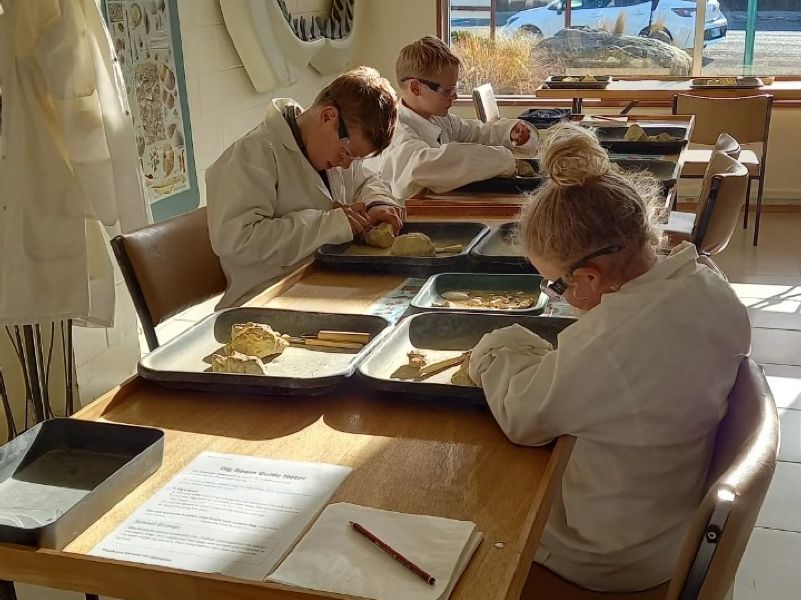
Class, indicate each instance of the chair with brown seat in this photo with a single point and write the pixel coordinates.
(742, 467)
(169, 267)
(747, 119)
(723, 193)
(485, 103)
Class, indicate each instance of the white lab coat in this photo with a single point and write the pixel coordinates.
(68, 165)
(268, 209)
(443, 153)
(641, 380)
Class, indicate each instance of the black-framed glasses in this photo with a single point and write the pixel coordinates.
(556, 288)
(434, 86)
(344, 137)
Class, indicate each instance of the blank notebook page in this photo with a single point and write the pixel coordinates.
(332, 557)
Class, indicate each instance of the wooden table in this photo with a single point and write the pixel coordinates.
(635, 90)
(406, 456)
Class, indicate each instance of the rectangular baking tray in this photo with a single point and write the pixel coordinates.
(557, 82)
(431, 292)
(443, 335)
(742, 83)
(501, 252)
(62, 475)
(185, 361)
(611, 137)
(360, 257)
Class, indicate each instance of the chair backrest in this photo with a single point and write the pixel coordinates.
(723, 193)
(169, 267)
(743, 462)
(746, 118)
(485, 103)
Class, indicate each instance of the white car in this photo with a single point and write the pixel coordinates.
(676, 18)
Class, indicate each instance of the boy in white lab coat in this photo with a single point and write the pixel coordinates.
(641, 379)
(435, 150)
(296, 182)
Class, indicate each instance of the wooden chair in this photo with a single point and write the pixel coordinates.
(169, 267)
(723, 192)
(747, 119)
(485, 103)
(742, 467)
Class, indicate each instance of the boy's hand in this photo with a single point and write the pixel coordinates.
(394, 215)
(357, 217)
(520, 133)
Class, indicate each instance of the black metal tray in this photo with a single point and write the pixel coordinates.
(359, 257)
(185, 361)
(513, 184)
(543, 118)
(740, 83)
(443, 335)
(431, 292)
(667, 172)
(611, 137)
(557, 82)
(500, 251)
(62, 475)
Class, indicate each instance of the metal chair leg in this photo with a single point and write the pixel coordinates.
(7, 591)
(760, 191)
(747, 203)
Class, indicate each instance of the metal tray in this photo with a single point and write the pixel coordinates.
(742, 83)
(364, 258)
(507, 185)
(667, 172)
(557, 82)
(443, 335)
(500, 252)
(543, 118)
(611, 137)
(185, 361)
(432, 291)
(62, 475)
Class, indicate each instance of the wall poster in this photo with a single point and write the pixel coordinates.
(147, 43)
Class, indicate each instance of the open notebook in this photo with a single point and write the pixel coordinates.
(332, 557)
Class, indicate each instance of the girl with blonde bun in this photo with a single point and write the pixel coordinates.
(641, 379)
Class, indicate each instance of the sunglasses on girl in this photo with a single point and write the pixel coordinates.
(556, 288)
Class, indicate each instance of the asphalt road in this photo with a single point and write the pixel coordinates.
(775, 53)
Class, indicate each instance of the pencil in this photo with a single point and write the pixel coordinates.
(427, 577)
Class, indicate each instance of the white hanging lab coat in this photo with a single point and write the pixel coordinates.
(268, 209)
(68, 163)
(443, 153)
(642, 381)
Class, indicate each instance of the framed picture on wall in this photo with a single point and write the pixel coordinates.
(147, 41)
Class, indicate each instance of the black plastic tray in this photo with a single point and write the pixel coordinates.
(62, 475)
(358, 257)
(432, 290)
(667, 172)
(611, 137)
(185, 361)
(506, 185)
(443, 335)
(557, 82)
(500, 252)
(741, 83)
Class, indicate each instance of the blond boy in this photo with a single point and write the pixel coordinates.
(296, 182)
(435, 150)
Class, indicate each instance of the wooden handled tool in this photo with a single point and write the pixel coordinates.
(302, 341)
(453, 249)
(342, 336)
(443, 364)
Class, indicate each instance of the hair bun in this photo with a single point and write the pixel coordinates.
(571, 154)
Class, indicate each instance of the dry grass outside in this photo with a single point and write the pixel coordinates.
(618, 27)
(512, 64)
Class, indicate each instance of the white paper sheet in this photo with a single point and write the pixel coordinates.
(224, 513)
(332, 557)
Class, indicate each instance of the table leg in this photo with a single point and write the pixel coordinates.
(577, 105)
(7, 591)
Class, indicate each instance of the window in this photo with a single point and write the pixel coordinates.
(515, 44)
